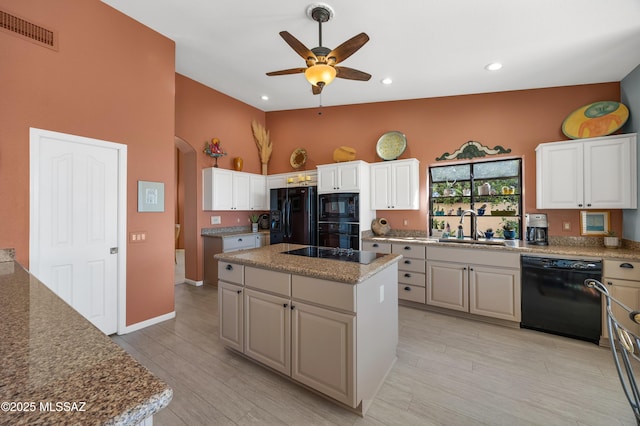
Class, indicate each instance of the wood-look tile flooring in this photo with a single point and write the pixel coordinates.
(450, 371)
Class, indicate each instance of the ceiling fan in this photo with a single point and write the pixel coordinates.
(321, 61)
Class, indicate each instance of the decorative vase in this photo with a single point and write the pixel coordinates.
(254, 227)
(509, 234)
(611, 242)
(488, 235)
(380, 226)
(237, 164)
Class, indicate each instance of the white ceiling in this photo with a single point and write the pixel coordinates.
(430, 48)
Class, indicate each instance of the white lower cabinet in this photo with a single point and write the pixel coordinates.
(622, 279)
(322, 351)
(411, 271)
(490, 286)
(308, 328)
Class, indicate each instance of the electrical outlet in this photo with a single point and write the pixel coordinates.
(381, 293)
(566, 226)
(405, 222)
(216, 220)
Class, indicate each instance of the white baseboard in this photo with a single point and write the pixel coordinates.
(192, 282)
(149, 322)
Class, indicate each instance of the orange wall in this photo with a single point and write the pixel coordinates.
(111, 79)
(202, 114)
(519, 120)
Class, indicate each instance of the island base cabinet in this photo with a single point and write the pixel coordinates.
(447, 286)
(494, 293)
(267, 334)
(230, 308)
(323, 353)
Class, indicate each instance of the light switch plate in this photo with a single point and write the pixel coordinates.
(216, 220)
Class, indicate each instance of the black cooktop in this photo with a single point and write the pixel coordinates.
(345, 255)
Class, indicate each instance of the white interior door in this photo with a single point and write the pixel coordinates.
(74, 229)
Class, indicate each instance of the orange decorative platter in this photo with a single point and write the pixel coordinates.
(596, 119)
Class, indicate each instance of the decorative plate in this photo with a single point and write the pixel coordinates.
(298, 158)
(391, 145)
(596, 119)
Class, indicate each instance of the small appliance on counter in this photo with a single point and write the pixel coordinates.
(537, 229)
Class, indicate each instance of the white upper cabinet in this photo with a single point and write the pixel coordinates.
(342, 177)
(395, 185)
(592, 173)
(224, 189)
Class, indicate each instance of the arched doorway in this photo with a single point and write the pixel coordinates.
(186, 207)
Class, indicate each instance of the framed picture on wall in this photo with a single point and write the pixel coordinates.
(594, 223)
(150, 196)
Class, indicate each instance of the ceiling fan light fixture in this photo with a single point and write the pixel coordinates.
(320, 74)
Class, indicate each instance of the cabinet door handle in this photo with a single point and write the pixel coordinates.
(229, 268)
(285, 305)
(407, 275)
(292, 307)
(589, 205)
(464, 269)
(579, 205)
(238, 291)
(626, 265)
(407, 288)
(471, 269)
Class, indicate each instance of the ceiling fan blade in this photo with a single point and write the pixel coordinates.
(286, 72)
(316, 89)
(297, 45)
(348, 48)
(351, 74)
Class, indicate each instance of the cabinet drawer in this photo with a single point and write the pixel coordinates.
(621, 269)
(413, 265)
(608, 281)
(328, 293)
(376, 246)
(411, 278)
(271, 281)
(412, 293)
(415, 251)
(230, 272)
(238, 243)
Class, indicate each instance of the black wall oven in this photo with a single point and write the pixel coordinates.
(338, 220)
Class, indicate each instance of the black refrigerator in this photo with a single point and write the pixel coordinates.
(294, 215)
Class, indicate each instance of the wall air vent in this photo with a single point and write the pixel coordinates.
(12, 24)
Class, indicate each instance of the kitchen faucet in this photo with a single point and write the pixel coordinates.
(474, 229)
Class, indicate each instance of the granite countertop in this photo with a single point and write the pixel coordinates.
(272, 257)
(57, 368)
(230, 232)
(522, 247)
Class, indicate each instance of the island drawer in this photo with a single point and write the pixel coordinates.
(415, 251)
(621, 269)
(239, 243)
(411, 278)
(376, 246)
(231, 272)
(412, 293)
(322, 292)
(414, 265)
(266, 280)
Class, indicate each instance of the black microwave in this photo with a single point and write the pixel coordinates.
(339, 207)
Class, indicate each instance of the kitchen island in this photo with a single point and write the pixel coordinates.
(329, 325)
(57, 368)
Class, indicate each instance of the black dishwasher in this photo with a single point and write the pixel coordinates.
(555, 299)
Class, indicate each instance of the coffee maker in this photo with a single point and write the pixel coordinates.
(537, 229)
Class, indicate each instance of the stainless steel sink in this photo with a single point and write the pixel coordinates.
(482, 241)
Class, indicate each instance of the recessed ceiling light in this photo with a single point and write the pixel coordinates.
(264, 97)
(493, 66)
(386, 80)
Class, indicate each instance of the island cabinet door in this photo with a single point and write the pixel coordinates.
(494, 292)
(230, 308)
(323, 355)
(268, 330)
(448, 285)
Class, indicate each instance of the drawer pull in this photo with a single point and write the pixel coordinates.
(407, 275)
(285, 305)
(407, 288)
(609, 283)
(239, 240)
(407, 262)
(229, 268)
(626, 265)
(375, 245)
(407, 248)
